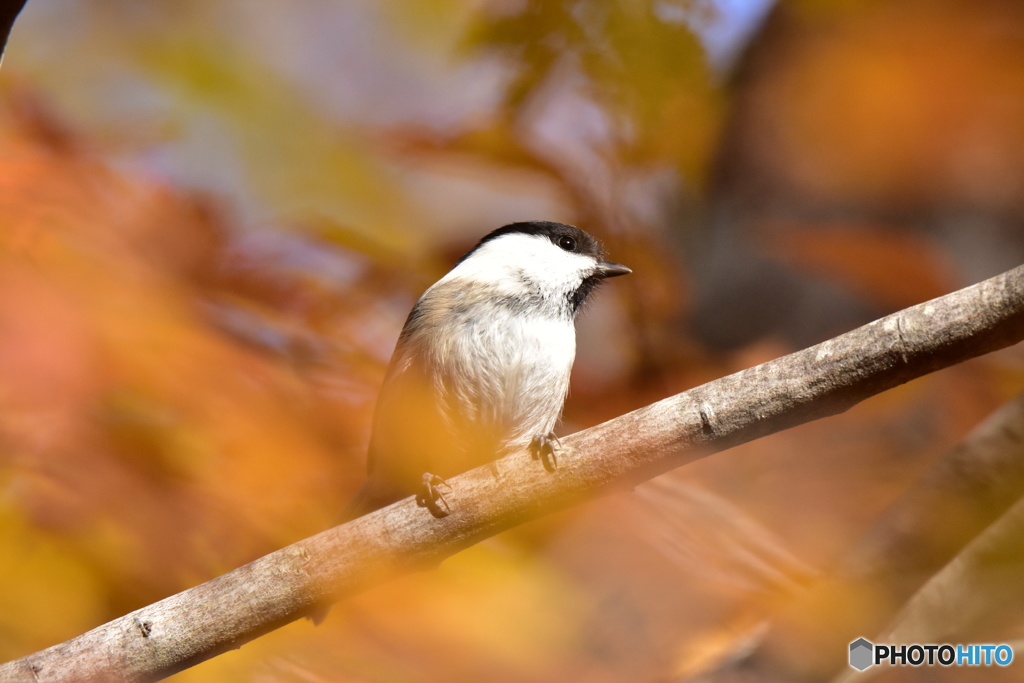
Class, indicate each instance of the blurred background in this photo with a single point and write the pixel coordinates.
(215, 216)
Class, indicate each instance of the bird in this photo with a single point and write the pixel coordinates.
(481, 367)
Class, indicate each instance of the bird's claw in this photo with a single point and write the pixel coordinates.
(430, 495)
(543, 448)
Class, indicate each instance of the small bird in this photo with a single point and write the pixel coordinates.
(482, 365)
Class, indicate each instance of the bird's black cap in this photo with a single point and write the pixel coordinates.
(560, 235)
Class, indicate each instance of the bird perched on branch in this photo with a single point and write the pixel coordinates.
(482, 365)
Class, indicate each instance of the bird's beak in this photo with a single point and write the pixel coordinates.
(612, 269)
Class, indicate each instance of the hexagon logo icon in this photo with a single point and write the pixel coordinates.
(861, 651)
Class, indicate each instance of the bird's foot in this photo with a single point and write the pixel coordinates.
(430, 497)
(543, 447)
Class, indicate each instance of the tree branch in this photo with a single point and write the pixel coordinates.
(199, 623)
(956, 500)
(973, 594)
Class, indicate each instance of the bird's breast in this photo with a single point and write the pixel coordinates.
(508, 375)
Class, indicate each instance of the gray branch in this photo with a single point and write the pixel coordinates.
(199, 623)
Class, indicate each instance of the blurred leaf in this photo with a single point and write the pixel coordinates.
(148, 450)
(896, 269)
(648, 71)
(49, 581)
(302, 164)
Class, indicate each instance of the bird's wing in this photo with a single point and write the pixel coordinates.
(424, 422)
(411, 435)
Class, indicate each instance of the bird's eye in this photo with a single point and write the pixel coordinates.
(567, 243)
